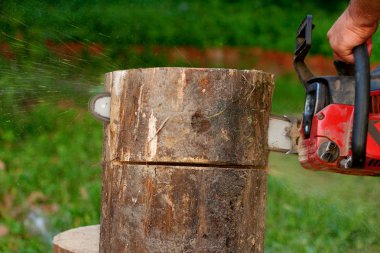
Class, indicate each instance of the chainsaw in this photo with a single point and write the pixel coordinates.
(340, 126)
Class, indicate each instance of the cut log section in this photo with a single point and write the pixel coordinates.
(181, 115)
(79, 240)
(184, 160)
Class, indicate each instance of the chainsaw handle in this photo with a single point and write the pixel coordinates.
(303, 45)
(361, 107)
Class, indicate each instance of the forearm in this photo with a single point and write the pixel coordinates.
(366, 13)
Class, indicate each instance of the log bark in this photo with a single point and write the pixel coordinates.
(184, 160)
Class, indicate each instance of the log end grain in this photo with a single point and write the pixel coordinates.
(78, 240)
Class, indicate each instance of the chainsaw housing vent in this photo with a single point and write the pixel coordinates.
(373, 163)
(374, 103)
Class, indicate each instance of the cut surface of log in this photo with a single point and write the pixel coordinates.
(78, 240)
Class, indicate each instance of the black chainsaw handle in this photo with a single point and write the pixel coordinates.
(303, 45)
(361, 107)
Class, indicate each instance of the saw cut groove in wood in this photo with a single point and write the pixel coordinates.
(201, 165)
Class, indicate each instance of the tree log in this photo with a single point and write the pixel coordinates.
(184, 160)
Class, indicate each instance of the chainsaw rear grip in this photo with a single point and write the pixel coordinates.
(361, 109)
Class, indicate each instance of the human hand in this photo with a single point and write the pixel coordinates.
(347, 33)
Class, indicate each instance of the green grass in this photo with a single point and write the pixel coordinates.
(311, 211)
(53, 168)
(118, 24)
(268, 24)
(289, 96)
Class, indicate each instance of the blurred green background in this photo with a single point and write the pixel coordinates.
(53, 55)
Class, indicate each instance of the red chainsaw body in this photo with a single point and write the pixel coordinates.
(334, 124)
(337, 110)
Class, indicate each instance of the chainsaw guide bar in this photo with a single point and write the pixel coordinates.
(283, 134)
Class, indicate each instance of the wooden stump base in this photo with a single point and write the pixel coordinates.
(78, 240)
